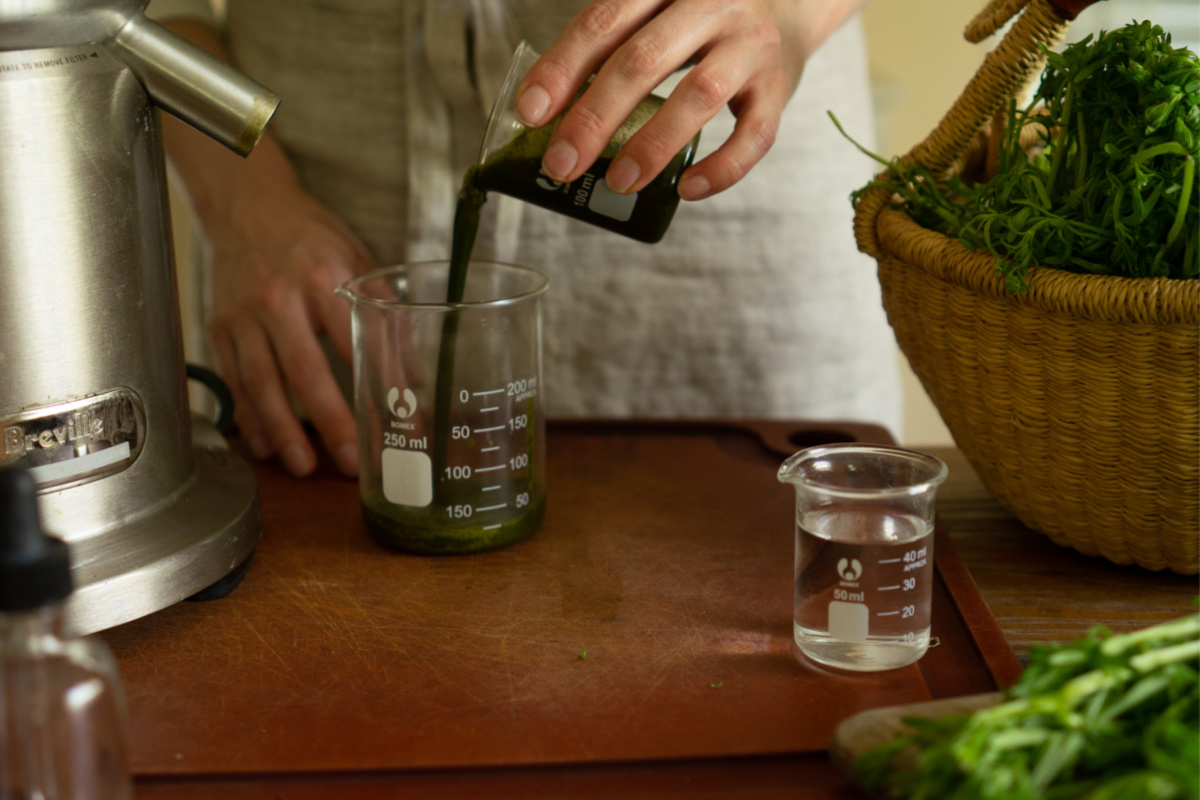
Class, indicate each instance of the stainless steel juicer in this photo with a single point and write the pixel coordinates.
(93, 396)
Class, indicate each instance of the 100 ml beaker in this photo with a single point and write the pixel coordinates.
(451, 434)
(864, 553)
(510, 162)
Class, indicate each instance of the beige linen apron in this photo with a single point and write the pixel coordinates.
(756, 304)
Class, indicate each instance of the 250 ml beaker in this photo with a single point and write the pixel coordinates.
(510, 162)
(864, 553)
(451, 434)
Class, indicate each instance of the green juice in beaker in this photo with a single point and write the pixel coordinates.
(427, 532)
(453, 463)
(511, 163)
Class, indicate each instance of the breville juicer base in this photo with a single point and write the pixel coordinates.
(191, 541)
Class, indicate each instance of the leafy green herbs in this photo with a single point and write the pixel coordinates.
(1103, 718)
(1112, 189)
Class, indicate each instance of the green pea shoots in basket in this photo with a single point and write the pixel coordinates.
(1110, 186)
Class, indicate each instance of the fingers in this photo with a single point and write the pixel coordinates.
(248, 422)
(589, 39)
(634, 45)
(700, 95)
(307, 372)
(637, 51)
(332, 313)
(269, 351)
(753, 135)
(261, 407)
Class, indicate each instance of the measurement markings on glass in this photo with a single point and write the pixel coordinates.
(890, 561)
(887, 613)
(464, 395)
(493, 405)
(887, 588)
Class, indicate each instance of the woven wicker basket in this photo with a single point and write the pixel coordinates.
(1076, 402)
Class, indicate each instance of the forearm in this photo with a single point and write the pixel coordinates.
(804, 25)
(220, 182)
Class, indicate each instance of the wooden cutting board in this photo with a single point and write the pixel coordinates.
(648, 620)
(868, 729)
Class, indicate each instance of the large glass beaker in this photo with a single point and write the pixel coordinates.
(448, 396)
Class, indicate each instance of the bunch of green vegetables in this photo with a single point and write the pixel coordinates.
(1111, 190)
(1104, 718)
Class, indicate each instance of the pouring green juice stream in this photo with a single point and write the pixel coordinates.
(451, 438)
(513, 167)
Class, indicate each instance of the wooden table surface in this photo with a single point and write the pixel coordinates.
(1036, 591)
(1040, 592)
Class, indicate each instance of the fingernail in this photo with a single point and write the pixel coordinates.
(694, 187)
(297, 460)
(532, 104)
(622, 174)
(559, 160)
(347, 459)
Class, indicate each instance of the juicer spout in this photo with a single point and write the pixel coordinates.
(196, 87)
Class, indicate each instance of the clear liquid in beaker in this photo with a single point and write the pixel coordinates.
(863, 581)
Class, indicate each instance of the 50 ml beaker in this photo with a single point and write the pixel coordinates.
(451, 434)
(864, 553)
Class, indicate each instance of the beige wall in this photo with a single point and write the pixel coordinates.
(919, 64)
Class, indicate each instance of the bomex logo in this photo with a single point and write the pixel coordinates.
(402, 411)
(849, 569)
(544, 181)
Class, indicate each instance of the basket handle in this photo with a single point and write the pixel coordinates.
(1005, 71)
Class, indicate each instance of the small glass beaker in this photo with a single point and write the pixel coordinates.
(448, 396)
(510, 162)
(864, 553)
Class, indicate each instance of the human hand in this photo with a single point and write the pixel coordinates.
(278, 255)
(748, 54)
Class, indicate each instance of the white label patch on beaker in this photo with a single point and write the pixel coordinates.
(848, 621)
(606, 202)
(407, 477)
